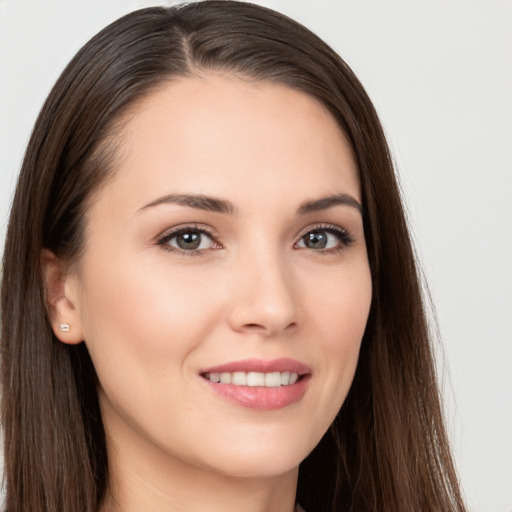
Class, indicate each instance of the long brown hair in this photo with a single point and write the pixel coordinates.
(387, 449)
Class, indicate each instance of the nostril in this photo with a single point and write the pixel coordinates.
(262, 313)
(268, 327)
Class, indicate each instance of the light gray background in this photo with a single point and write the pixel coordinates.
(439, 72)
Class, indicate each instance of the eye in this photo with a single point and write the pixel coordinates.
(328, 239)
(188, 240)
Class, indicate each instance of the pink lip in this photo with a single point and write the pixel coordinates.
(259, 397)
(260, 365)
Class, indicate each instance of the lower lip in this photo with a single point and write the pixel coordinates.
(260, 397)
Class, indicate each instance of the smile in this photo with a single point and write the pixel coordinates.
(253, 379)
(259, 384)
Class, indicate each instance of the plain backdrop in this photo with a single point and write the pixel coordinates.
(440, 74)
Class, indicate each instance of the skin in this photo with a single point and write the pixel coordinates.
(152, 317)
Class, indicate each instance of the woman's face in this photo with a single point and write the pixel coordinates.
(229, 246)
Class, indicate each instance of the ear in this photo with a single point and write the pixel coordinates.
(61, 291)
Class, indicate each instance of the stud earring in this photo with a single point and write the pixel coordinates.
(64, 327)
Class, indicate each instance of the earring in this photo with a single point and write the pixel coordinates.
(64, 327)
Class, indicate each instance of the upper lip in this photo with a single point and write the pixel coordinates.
(261, 365)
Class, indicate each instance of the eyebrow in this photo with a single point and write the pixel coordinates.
(213, 204)
(199, 202)
(328, 202)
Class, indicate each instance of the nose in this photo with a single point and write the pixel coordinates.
(264, 299)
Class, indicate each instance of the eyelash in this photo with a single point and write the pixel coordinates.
(344, 237)
(163, 241)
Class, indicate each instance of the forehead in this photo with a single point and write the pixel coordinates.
(224, 135)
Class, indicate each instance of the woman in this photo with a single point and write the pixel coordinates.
(210, 297)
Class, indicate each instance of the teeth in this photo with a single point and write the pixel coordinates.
(272, 380)
(253, 379)
(215, 377)
(239, 378)
(225, 378)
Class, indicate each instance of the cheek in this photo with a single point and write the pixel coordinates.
(340, 307)
(140, 329)
(338, 323)
(141, 322)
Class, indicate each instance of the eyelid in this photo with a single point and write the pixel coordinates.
(168, 234)
(346, 239)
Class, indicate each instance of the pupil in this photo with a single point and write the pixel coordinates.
(189, 240)
(316, 240)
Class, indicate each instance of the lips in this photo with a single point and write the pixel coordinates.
(261, 365)
(259, 384)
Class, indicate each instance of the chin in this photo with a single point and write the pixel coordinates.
(258, 468)
(260, 458)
